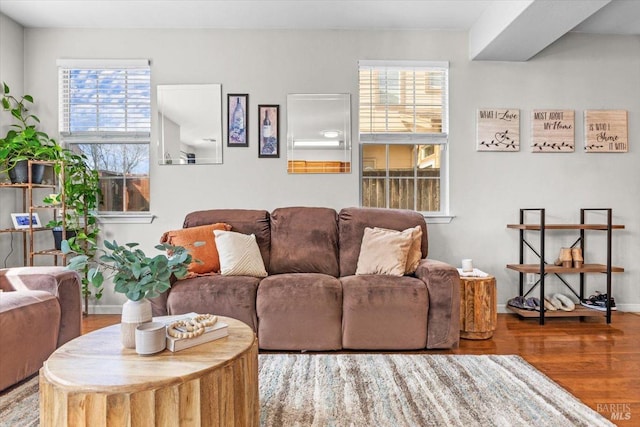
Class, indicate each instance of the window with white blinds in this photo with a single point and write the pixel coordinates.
(403, 98)
(105, 114)
(404, 125)
(105, 97)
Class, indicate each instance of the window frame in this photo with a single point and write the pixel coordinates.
(125, 134)
(388, 139)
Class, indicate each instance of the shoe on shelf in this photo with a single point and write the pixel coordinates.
(532, 303)
(518, 302)
(590, 304)
(548, 305)
(576, 256)
(598, 301)
(564, 259)
(565, 302)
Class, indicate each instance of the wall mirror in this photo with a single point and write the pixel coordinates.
(319, 133)
(190, 124)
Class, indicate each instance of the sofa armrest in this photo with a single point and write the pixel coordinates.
(62, 283)
(443, 288)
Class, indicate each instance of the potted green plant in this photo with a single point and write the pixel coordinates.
(79, 223)
(23, 141)
(135, 275)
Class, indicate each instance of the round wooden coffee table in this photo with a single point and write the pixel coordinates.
(94, 381)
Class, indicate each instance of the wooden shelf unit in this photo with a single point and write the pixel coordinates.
(544, 268)
(28, 246)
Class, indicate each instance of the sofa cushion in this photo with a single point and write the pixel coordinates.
(353, 221)
(385, 251)
(239, 254)
(304, 240)
(382, 312)
(207, 254)
(245, 221)
(231, 296)
(299, 311)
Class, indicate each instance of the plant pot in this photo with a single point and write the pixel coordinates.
(19, 173)
(57, 237)
(134, 313)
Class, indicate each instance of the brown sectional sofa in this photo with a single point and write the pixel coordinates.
(312, 299)
(40, 309)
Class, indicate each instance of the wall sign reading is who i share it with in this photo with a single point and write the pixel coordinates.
(552, 131)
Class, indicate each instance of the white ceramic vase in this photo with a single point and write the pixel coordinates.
(134, 313)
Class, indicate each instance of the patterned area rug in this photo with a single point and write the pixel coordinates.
(387, 390)
(414, 390)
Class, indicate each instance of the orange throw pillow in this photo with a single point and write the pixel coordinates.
(207, 253)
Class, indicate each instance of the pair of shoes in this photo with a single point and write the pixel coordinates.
(598, 301)
(531, 303)
(570, 257)
(561, 302)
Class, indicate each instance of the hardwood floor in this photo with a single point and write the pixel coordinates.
(596, 362)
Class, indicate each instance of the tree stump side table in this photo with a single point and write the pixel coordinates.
(478, 307)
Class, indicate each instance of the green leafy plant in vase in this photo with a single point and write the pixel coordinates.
(135, 275)
(23, 141)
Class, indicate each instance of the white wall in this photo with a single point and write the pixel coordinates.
(12, 73)
(578, 72)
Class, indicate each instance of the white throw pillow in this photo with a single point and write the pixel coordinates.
(384, 251)
(239, 254)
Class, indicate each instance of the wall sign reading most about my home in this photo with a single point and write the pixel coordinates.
(605, 131)
(498, 129)
(552, 131)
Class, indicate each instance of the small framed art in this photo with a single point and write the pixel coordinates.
(268, 131)
(237, 120)
(21, 220)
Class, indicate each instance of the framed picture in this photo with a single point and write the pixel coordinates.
(237, 120)
(21, 220)
(268, 131)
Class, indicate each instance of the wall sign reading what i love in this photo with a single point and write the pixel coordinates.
(498, 129)
(605, 131)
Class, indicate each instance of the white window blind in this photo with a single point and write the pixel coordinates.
(102, 99)
(403, 100)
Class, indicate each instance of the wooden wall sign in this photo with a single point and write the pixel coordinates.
(498, 129)
(605, 131)
(553, 131)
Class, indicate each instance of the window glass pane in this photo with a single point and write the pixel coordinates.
(428, 177)
(374, 172)
(124, 174)
(401, 176)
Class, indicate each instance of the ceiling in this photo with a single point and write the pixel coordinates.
(498, 29)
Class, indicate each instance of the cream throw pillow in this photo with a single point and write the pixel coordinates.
(384, 251)
(415, 251)
(239, 254)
